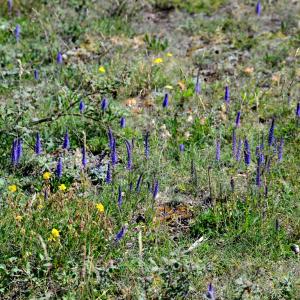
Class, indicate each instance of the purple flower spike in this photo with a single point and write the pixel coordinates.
(280, 149)
(271, 133)
(138, 183)
(104, 104)
(166, 101)
(198, 85)
(238, 119)
(120, 234)
(227, 95)
(156, 189)
(36, 74)
(110, 138)
(14, 152)
(258, 180)
(19, 150)
(81, 106)
(59, 168)
(298, 110)
(108, 174)
(84, 159)
(59, 58)
(9, 5)
(147, 150)
(233, 142)
(218, 150)
(129, 155)
(238, 151)
(113, 153)
(120, 199)
(38, 144)
(181, 148)
(66, 144)
(258, 8)
(17, 32)
(123, 122)
(247, 153)
(211, 292)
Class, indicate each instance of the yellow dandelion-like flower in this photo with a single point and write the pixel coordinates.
(158, 61)
(169, 54)
(18, 218)
(40, 206)
(100, 207)
(168, 87)
(46, 175)
(101, 70)
(62, 187)
(54, 235)
(12, 188)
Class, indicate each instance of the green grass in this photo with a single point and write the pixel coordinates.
(246, 252)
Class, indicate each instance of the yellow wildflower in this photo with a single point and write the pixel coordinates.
(101, 70)
(54, 235)
(169, 54)
(40, 206)
(158, 60)
(169, 87)
(62, 187)
(12, 188)
(100, 207)
(18, 218)
(47, 175)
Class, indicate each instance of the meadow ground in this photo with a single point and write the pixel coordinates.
(150, 149)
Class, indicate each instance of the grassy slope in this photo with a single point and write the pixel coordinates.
(243, 254)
